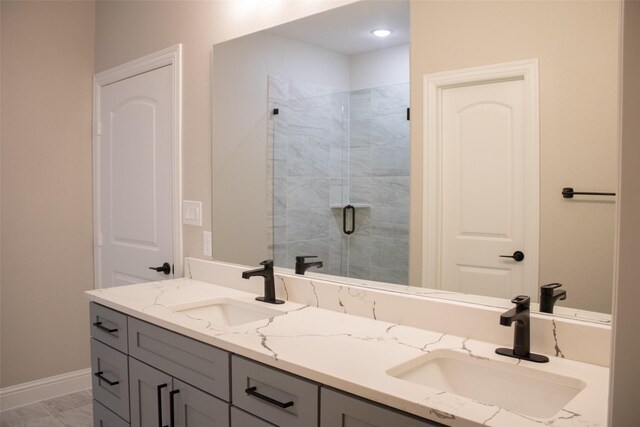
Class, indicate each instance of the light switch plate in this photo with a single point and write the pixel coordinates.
(206, 243)
(192, 212)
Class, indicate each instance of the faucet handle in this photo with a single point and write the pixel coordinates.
(548, 289)
(303, 258)
(521, 301)
(268, 263)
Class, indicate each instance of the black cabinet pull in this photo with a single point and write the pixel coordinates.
(251, 391)
(159, 390)
(104, 328)
(164, 268)
(517, 255)
(172, 413)
(344, 219)
(111, 383)
(568, 193)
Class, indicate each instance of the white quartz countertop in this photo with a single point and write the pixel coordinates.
(352, 353)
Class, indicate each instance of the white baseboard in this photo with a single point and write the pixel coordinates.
(43, 389)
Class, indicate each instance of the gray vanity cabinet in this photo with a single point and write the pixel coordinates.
(109, 367)
(153, 393)
(142, 371)
(343, 410)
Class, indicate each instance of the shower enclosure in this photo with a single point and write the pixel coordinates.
(339, 175)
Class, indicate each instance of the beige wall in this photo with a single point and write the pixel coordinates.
(625, 377)
(577, 46)
(46, 226)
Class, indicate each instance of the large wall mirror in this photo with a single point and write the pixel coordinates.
(319, 149)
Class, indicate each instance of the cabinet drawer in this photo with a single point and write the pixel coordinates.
(102, 417)
(108, 326)
(196, 363)
(242, 419)
(343, 410)
(110, 379)
(280, 398)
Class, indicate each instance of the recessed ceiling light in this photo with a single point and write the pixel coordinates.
(381, 32)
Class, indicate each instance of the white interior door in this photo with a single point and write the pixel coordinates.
(483, 209)
(136, 182)
(482, 180)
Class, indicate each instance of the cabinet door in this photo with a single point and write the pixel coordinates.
(149, 395)
(195, 408)
(342, 410)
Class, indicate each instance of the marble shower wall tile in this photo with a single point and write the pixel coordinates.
(310, 162)
(278, 88)
(379, 177)
(308, 156)
(307, 193)
(390, 191)
(333, 148)
(308, 224)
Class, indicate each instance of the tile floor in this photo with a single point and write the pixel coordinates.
(71, 410)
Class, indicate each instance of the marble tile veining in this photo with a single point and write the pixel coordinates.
(78, 417)
(71, 410)
(68, 401)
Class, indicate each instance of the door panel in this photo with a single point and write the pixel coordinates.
(483, 182)
(136, 178)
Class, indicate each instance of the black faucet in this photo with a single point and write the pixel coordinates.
(269, 283)
(521, 336)
(302, 266)
(549, 294)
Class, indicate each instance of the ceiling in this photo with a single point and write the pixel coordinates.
(348, 29)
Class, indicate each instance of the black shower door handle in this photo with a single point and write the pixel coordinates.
(344, 219)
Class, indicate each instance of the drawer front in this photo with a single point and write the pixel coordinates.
(343, 410)
(102, 417)
(196, 363)
(242, 419)
(110, 378)
(108, 326)
(264, 391)
(194, 408)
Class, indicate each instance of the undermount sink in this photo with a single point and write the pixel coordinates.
(226, 312)
(519, 389)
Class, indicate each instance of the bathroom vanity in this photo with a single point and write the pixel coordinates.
(201, 351)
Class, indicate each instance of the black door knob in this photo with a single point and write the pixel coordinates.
(517, 255)
(166, 268)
